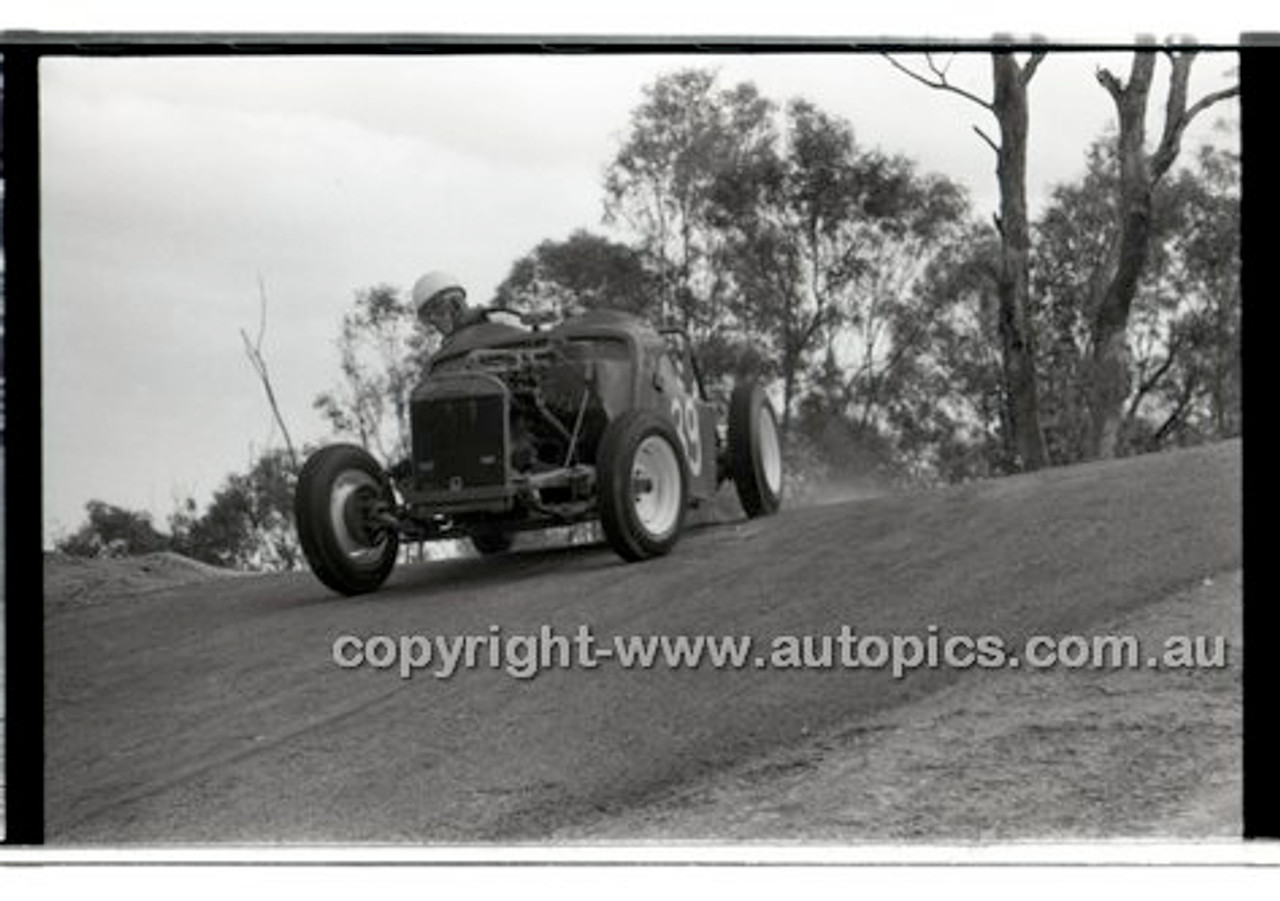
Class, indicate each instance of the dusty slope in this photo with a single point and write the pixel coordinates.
(214, 712)
(1061, 753)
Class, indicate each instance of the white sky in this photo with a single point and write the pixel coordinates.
(170, 185)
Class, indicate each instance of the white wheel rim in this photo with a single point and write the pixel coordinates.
(655, 486)
(770, 450)
(346, 487)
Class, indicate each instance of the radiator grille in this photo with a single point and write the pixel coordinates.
(459, 442)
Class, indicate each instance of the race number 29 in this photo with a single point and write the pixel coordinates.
(685, 417)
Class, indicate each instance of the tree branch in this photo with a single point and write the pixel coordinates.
(811, 329)
(1029, 70)
(1111, 83)
(941, 73)
(262, 312)
(1179, 413)
(1147, 384)
(1175, 107)
(1176, 115)
(990, 143)
(1209, 100)
(941, 84)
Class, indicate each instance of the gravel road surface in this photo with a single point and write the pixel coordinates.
(213, 710)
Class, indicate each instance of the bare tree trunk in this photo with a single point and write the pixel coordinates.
(253, 350)
(1021, 404)
(1107, 371)
(1017, 338)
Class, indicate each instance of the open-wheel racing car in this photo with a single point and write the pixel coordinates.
(599, 417)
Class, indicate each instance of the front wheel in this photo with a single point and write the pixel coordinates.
(755, 452)
(643, 485)
(339, 489)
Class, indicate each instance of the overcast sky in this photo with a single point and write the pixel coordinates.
(169, 186)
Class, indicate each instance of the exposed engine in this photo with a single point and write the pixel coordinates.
(504, 427)
(555, 417)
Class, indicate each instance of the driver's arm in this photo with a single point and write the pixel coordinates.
(472, 317)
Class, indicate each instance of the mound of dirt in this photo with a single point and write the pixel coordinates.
(84, 581)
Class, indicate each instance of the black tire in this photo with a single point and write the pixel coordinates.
(641, 521)
(346, 552)
(490, 543)
(755, 450)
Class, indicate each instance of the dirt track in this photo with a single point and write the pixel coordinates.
(1002, 755)
(214, 712)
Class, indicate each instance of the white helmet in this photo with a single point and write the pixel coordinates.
(432, 285)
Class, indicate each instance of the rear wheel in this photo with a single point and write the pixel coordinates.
(755, 451)
(643, 485)
(339, 489)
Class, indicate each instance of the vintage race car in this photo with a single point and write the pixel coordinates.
(601, 417)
